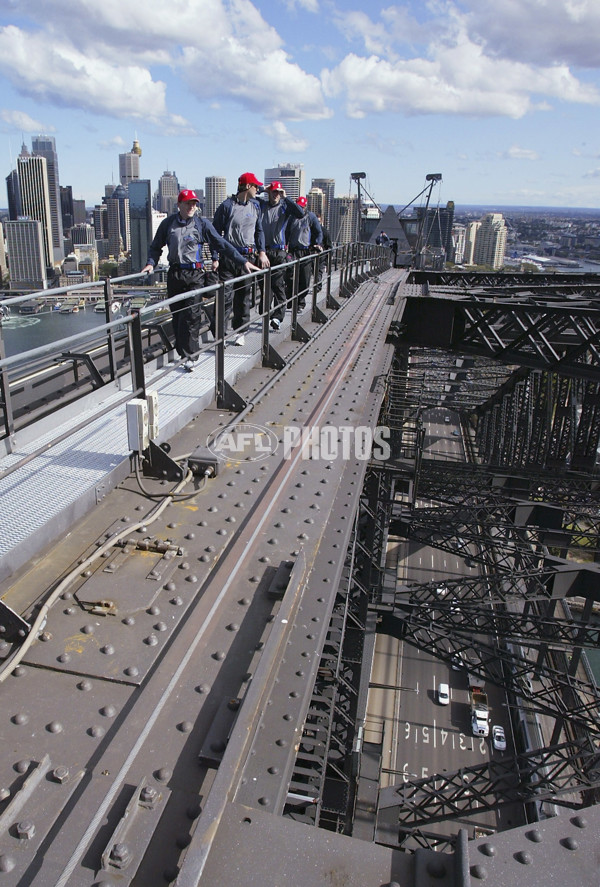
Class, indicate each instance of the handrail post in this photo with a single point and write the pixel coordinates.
(7, 411)
(220, 342)
(137, 356)
(112, 356)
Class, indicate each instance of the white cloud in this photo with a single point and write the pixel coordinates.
(540, 32)
(285, 141)
(100, 57)
(309, 5)
(517, 153)
(62, 75)
(23, 122)
(454, 75)
(592, 174)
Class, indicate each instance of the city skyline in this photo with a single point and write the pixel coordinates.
(501, 98)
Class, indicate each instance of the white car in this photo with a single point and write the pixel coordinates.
(443, 694)
(498, 738)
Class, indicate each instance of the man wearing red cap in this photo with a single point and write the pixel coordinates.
(184, 233)
(238, 219)
(277, 211)
(305, 236)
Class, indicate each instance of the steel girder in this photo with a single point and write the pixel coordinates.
(562, 338)
(505, 281)
(572, 768)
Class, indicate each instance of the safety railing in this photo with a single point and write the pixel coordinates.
(36, 382)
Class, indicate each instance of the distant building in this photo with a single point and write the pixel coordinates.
(35, 197)
(140, 222)
(459, 242)
(327, 186)
(291, 176)
(316, 202)
(343, 219)
(215, 189)
(82, 234)
(168, 189)
(470, 239)
(45, 146)
(79, 212)
(13, 191)
(129, 164)
(490, 242)
(26, 254)
(101, 221)
(3, 265)
(118, 222)
(66, 207)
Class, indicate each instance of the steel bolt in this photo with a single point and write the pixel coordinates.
(25, 829)
(120, 855)
(148, 794)
(60, 774)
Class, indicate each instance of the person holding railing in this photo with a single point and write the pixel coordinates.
(305, 236)
(277, 211)
(184, 233)
(239, 220)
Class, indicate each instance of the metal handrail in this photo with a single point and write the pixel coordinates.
(349, 259)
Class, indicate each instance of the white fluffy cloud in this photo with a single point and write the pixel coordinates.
(285, 141)
(517, 153)
(455, 72)
(101, 57)
(23, 122)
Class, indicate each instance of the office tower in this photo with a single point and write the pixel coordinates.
(291, 176)
(168, 189)
(27, 251)
(13, 190)
(118, 222)
(101, 221)
(140, 222)
(35, 197)
(66, 207)
(3, 265)
(491, 241)
(215, 189)
(459, 241)
(129, 164)
(436, 231)
(79, 212)
(470, 240)
(343, 219)
(45, 146)
(327, 186)
(316, 202)
(82, 234)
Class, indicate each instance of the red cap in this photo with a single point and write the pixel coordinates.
(248, 178)
(302, 201)
(186, 195)
(275, 186)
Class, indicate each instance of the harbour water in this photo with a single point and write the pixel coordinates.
(21, 332)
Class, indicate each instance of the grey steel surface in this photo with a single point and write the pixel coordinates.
(149, 734)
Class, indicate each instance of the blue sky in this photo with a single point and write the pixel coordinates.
(500, 96)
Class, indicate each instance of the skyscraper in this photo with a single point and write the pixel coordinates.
(35, 197)
(316, 202)
(118, 222)
(215, 188)
(66, 207)
(343, 219)
(140, 222)
(168, 189)
(3, 265)
(291, 176)
(26, 254)
(491, 241)
(45, 146)
(129, 164)
(327, 186)
(13, 190)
